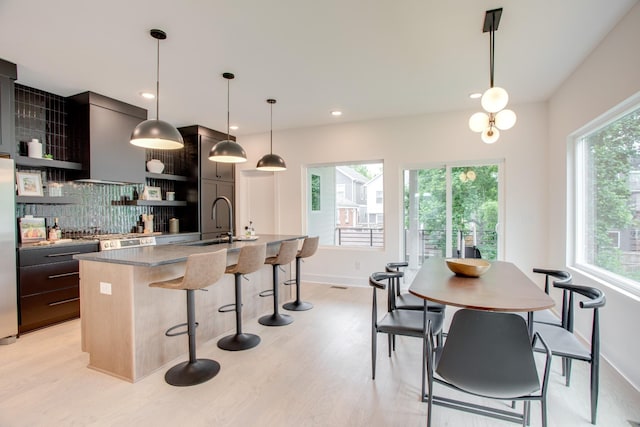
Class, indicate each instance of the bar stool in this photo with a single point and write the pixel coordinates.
(309, 247)
(286, 254)
(201, 271)
(250, 260)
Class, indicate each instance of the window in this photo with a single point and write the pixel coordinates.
(607, 197)
(440, 202)
(315, 192)
(347, 209)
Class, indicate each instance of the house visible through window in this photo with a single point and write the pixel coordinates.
(607, 197)
(347, 210)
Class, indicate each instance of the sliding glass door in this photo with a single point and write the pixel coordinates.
(445, 202)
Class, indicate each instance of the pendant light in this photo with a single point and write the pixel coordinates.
(157, 133)
(227, 151)
(495, 99)
(271, 162)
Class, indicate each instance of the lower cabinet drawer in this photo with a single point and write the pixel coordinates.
(46, 308)
(48, 277)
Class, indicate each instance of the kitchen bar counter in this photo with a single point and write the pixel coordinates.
(152, 256)
(123, 320)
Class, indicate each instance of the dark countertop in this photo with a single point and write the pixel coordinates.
(151, 256)
(65, 242)
(160, 238)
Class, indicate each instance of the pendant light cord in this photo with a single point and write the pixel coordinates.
(228, 90)
(158, 82)
(271, 131)
(491, 53)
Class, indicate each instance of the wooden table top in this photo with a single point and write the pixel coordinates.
(502, 288)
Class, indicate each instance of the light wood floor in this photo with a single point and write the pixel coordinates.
(314, 372)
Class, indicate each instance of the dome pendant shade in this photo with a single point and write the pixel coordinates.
(156, 134)
(227, 151)
(271, 163)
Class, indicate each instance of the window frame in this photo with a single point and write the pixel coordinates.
(308, 212)
(576, 188)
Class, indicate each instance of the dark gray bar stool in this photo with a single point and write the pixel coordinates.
(250, 259)
(286, 254)
(201, 271)
(309, 247)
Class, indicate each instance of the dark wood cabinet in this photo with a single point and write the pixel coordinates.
(8, 75)
(48, 284)
(102, 127)
(214, 179)
(210, 169)
(219, 224)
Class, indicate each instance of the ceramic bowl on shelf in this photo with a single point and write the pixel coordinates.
(155, 166)
(468, 267)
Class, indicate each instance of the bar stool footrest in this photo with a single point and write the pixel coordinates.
(289, 282)
(192, 373)
(227, 308)
(169, 332)
(266, 293)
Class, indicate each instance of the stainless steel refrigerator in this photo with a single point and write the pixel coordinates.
(8, 286)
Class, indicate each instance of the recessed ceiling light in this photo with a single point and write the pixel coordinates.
(147, 95)
(336, 113)
(233, 127)
(475, 95)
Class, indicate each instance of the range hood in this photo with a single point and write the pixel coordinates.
(100, 128)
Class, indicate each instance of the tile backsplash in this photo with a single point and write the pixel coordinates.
(98, 208)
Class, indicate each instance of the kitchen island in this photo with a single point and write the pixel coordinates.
(123, 320)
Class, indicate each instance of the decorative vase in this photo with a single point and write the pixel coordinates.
(155, 166)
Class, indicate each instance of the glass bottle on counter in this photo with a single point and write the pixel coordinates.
(57, 229)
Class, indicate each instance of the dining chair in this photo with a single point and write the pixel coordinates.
(488, 354)
(469, 252)
(564, 343)
(411, 323)
(404, 300)
(547, 316)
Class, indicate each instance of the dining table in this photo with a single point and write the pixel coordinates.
(502, 288)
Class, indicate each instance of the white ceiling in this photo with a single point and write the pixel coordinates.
(370, 59)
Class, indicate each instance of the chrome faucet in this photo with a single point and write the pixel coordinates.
(213, 214)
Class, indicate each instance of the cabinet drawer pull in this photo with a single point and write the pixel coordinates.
(56, 276)
(64, 301)
(63, 254)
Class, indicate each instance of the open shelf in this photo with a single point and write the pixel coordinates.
(166, 176)
(149, 203)
(46, 163)
(46, 200)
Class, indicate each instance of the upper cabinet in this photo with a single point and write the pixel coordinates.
(8, 75)
(102, 127)
(205, 139)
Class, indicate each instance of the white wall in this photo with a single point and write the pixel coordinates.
(401, 143)
(607, 77)
(535, 179)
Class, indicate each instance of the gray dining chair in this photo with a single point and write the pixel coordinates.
(560, 276)
(411, 323)
(564, 343)
(488, 354)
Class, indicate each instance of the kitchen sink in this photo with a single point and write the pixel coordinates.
(208, 242)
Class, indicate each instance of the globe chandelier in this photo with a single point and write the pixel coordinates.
(495, 99)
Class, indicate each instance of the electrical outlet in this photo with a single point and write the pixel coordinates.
(105, 288)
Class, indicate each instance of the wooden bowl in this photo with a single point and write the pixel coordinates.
(468, 267)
